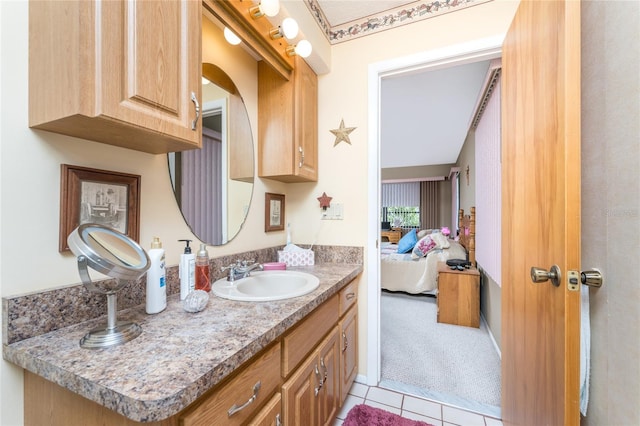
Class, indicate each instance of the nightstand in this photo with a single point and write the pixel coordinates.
(458, 296)
(394, 235)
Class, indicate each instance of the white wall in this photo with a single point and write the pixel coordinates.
(343, 94)
(30, 165)
(611, 205)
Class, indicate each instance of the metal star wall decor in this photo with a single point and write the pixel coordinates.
(325, 201)
(342, 133)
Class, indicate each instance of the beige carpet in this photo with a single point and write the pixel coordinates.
(455, 363)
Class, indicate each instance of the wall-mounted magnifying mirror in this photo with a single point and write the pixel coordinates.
(213, 185)
(114, 254)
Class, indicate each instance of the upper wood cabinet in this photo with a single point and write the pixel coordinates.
(288, 124)
(125, 73)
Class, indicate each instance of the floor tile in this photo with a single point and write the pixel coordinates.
(492, 422)
(414, 416)
(422, 406)
(394, 410)
(358, 389)
(461, 417)
(411, 407)
(384, 396)
(350, 402)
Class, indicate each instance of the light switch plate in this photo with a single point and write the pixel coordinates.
(334, 212)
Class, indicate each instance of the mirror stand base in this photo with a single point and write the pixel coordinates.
(103, 337)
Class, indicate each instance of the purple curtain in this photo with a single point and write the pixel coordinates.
(202, 188)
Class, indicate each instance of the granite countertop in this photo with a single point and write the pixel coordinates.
(179, 355)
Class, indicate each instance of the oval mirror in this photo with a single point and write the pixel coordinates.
(213, 185)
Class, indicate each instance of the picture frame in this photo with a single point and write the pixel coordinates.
(98, 196)
(273, 212)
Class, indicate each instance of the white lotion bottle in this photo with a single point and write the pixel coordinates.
(156, 300)
(187, 271)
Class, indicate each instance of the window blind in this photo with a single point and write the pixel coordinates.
(488, 188)
(405, 194)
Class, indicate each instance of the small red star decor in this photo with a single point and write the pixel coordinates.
(325, 201)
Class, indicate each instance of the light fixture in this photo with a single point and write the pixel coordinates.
(302, 49)
(231, 37)
(266, 7)
(205, 80)
(288, 29)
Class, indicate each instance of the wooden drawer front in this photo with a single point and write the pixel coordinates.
(459, 299)
(297, 344)
(215, 407)
(348, 297)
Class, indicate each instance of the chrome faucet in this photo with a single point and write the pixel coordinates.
(241, 269)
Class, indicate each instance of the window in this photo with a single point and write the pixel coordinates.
(401, 204)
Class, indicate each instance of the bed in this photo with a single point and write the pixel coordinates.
(413, 273)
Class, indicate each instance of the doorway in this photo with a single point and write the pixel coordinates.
(480, 50)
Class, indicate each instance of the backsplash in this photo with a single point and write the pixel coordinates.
(22, 315)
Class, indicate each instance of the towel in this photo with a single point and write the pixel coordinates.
(585, 348)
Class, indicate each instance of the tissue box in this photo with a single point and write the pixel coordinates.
(296, 258)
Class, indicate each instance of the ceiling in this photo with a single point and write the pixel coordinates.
(425, 116)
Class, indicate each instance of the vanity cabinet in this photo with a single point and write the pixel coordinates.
(301, 378)
(288, 124)
(236, 401)
(311, 394)
(348, 328)
(125, 73)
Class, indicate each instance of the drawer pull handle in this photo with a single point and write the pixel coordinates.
(319, 379)
(350, 296)
(237, 408)
(345, 341)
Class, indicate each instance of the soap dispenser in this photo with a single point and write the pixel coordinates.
(202, 269)
(187, 271)
(156, 299)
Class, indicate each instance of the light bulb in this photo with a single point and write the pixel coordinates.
(289, 28)
(231, 37)
(303, 48)
(270, 7)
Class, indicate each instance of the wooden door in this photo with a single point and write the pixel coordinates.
(541, 213)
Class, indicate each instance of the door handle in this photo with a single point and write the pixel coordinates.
(540, 275)
(591, 278)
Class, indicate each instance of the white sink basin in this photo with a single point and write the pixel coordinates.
(266, 285)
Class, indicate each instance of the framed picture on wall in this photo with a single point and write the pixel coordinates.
(98, 196)
(273, 212)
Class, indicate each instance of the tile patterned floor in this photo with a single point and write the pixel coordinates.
(411, 407)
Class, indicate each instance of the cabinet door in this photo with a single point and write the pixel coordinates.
(300, 394)
(306, 121)
(348, 351)
(270, 415)
(329, 362)
(117, 72)
(151, 64)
